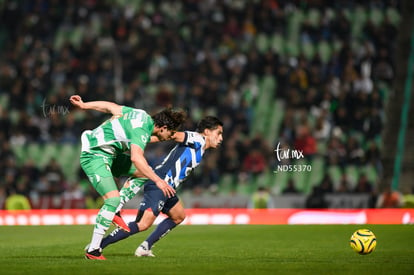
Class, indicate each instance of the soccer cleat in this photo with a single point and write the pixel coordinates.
(119, 221)
(143, 251)
(95, 255)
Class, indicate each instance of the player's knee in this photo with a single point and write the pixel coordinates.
(182, 217)
(179, 218)
(114, 201)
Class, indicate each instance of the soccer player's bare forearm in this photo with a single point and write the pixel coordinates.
(144, 170)
(137, 174)
(142, 165)
(100, 106)
(104, 107)
(177, 137)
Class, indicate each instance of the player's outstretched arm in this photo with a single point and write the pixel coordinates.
(100, 106)
(138, 159)
(177, 137)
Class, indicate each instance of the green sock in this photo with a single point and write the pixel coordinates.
(127, 193)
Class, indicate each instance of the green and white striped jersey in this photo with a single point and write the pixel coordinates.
(116, 135)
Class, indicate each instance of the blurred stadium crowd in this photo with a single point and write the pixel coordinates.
(304, 75)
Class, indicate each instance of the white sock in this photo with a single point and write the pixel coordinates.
(121, 204)
(103, 221)
(97, 237)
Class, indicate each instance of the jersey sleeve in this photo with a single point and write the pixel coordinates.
(140, 137)
(193, 139)
(139, 127)
(126, 109)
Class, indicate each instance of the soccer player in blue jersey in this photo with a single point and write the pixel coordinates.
(177, 165)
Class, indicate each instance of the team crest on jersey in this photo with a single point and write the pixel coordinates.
(160, 205)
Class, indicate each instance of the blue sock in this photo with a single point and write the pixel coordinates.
(162, 229)
(119, 234)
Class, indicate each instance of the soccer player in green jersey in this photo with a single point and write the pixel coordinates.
(129, 130)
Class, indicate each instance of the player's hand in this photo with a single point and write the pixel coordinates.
(76, 100)
(165, 188)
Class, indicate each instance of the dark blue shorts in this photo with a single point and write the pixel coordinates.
(155, 199)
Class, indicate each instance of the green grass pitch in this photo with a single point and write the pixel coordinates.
(211, 249)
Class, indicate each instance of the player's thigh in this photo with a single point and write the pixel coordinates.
(149, 207)
(153, 200)
(98, 170)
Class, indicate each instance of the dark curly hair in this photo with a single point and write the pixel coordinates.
(209, 122)
(170, 118)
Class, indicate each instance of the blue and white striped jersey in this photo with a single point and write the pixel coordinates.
(182, 159)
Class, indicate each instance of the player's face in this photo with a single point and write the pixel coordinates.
(215, 137)
(165, 134)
